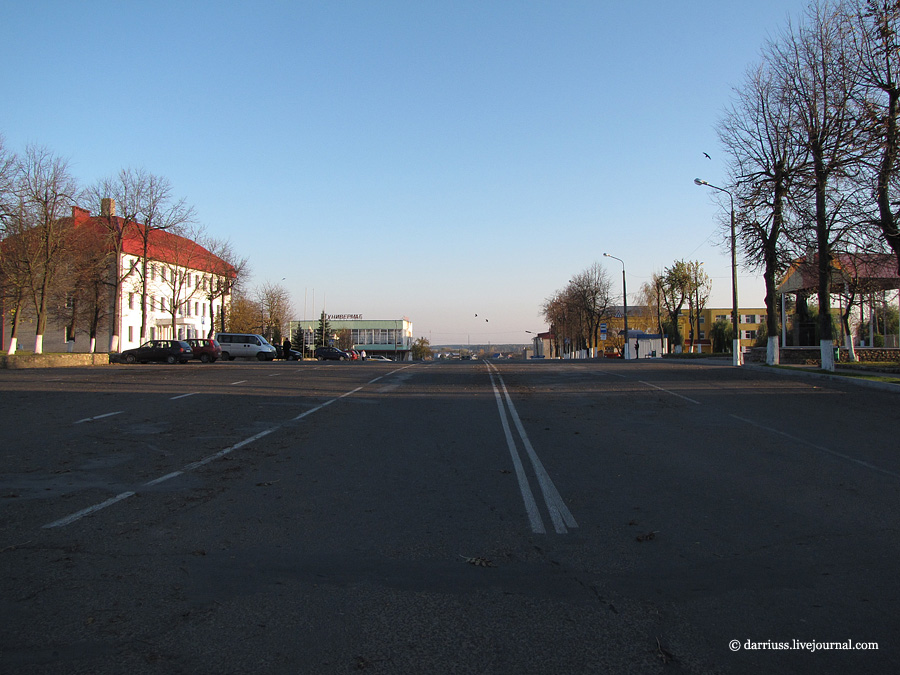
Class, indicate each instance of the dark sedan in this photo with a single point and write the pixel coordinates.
(331, 354)
(168, 351)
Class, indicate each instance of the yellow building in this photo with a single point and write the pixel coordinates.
(750, 322)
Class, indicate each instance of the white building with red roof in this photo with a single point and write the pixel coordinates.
(188, 288)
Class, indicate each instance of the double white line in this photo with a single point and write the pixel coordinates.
(559, 512)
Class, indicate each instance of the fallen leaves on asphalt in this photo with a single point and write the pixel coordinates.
(478, 562)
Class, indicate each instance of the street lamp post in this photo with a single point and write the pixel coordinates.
(627, 349)
(736, 344)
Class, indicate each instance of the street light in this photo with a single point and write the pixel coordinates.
(627, 349)
(736, 344)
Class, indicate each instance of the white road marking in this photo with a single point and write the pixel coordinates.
(835, 453)
(690, 400)
(99, 417)
(559, 513)
(62, 522)
(163, 479)
(68, 520)
(238, 382)
(534, 516)
(312, 410)
(175, 398)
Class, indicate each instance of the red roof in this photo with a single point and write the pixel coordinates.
(162, 246)
(867, 271)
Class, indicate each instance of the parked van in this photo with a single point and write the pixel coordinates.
(245, 345)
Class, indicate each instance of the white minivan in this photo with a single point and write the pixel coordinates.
(245, 345)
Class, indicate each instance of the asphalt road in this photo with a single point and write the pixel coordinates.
(463, 517)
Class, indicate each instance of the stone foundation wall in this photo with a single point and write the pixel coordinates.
(52, 360)
(806, 355)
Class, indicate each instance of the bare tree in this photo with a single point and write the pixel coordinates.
(47, 192)
(244, 315)
(576, 312)
(876, 48)
(650, 298)
(591, 292)
(815, 67)
(15, 267)
(83, 295)
(276, 309)
(699, 289)
(675, 287)
(224, 275)
(179, 261)
(765, 162)
(120, 199)
(561, 312)
(156, 210)
(7, 210)
(8, 161)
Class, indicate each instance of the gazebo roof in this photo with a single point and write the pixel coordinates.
(863, 271)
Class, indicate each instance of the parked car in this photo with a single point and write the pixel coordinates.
(378, 357)
(170, 351)
(293, 356)
(331, 354)
(205, 349)
(245, 345)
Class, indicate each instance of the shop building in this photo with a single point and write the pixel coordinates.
(386, 337)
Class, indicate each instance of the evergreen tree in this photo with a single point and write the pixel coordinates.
(323, 331)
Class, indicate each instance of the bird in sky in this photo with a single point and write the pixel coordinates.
(707, 156)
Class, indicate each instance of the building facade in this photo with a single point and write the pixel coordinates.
(385, 337)
(750, 322)
(188, 289)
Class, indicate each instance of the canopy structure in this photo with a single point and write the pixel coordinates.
(851, 274)
(861, 272)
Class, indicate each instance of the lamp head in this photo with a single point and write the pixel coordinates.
(699, 181)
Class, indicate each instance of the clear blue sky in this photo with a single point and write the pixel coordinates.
(419, 158)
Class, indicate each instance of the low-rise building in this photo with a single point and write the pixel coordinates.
(187, 292)
(386, 337)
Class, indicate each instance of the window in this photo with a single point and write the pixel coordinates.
(152, 303)
(162, 273)
(721, 317)
(131, 333)
(131, 301)
(153, 272)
